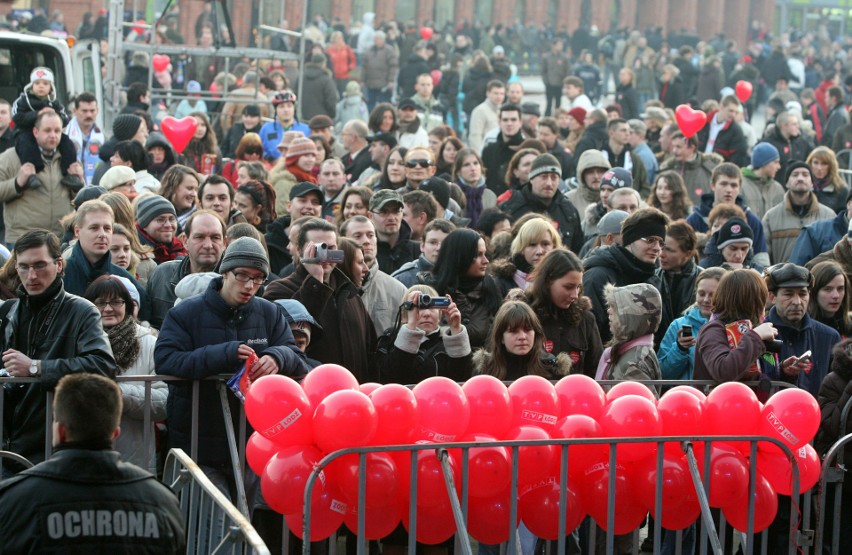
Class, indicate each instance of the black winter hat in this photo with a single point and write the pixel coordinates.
(124, 126)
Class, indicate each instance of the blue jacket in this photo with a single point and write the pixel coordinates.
(675, 363)
(818, 238)
(698, 220)
(813, 336)
(195, 348)
(271, 134)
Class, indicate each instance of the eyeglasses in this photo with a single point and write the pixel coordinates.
(245, 278)
(38, 267)
(422, 162)
(650, 241)
(114, 303)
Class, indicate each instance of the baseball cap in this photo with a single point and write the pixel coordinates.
(383, 137)
(306, 188)
(407, 103)
(384, 197)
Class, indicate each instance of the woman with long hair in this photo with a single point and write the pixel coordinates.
(829, 186)
(203, 153)
(393, 174)
(133, 349)
(461, 271)
(295, 166)
(534, 240)
(354, 202)
(133, 155)
(446, 156)
(180, 187)
(142, 259)
(249, 149)
(556, 296)
(383, 119)
(518, 170)
(256, 201)
(354, 266)
(668, 194)
(829, 302)
(574, 122)
(469, 175)
(517, 348)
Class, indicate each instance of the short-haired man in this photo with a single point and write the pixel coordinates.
(332, 181)
(486, 116)
(217, 194)
(594, 134)
(84, 498)
(784, 222)
(250, 122)
(434, 233)
(619, 153)
(624, 199)
(760, 189)
(28, 207)
(541, 195)
(723, 135)
(496, 155)
(284, 105)
(138, 98)
(332, 300)
(643, 237)
(791, 144)
(323, 126)
(725, 188)
(305, 200)
(379, 69)
(573, 95)
(419, 166)
(205, 243)
(548, 133)
(6, 140)
(639, 147)
(419, 208)
(430, 110)
(382, 293)
(515, 93)
(357, 158)
(381, 144)
(789, 293)
(837, 117)
(47, 333)
(236, 327)
(85, 134)
(696, 167)
(395, 246)
(90, 256)
(555, 67)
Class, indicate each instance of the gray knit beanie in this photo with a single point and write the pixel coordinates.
(245, 252)
(125, 126)
(149, 207)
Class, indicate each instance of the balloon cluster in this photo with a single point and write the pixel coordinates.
(297, 425)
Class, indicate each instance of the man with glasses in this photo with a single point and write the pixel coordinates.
(395, 246)
(47, 333)
(634, 261)
(237, 329)
(419, 166)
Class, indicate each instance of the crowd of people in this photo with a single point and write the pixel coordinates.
(589, 235)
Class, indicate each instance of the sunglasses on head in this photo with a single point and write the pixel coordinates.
(422, 162)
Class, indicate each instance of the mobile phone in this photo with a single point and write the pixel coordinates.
(686, 331)
(806, 356)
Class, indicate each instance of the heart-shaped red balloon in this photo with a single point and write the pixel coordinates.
(160, 62)
(179, 131)
(689, 121)
(744, 90)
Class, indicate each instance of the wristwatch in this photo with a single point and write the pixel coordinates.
(34, 368)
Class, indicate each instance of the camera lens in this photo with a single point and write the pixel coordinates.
(425, 300)
(322, 246)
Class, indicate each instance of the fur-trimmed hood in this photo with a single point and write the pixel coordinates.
(558, 365)
(638, 308)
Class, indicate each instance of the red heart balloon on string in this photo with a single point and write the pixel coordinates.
(179, 131)
(743, 90)
(160, 62)
(689, 121)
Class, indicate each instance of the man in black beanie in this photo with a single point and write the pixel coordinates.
(634, 261)
(541, 194)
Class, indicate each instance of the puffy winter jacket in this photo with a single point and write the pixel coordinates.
(675, 363)
(566, 219)
(819, 237)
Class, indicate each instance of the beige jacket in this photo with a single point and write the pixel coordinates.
(782, 226)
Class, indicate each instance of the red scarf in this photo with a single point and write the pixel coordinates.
(162, 251)
(300, 174)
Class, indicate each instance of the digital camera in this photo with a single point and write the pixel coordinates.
(324, 254)
(427, 301)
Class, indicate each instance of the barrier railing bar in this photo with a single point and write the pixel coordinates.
(412, 506)
(563, 497)
(658, 500)
(512, 547)
(610, 509)
(232, 450)
(709, 529)
(461, 526)
(362, 503)
(146, 432)
(464, 500)
(193, 442)
(23, 461)
(831, 474)
(752, 487)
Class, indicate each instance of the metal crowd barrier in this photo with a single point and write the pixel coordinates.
(209, 517)
(833, 472)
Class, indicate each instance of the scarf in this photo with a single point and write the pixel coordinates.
(125, 346)
(606, 358)
(473, 194)
(468, 283)
(300, 174)
(162, 251)
(523, 271)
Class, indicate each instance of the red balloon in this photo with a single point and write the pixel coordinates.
(489, 469)
(426, 33)
(535, 462)
(697, 393)
(689, 121)
(534, 403)
(732, 409)
(368, 388)
(443, 413)
(676, 482)
(325, 379)
(396, 410)
(632, 416)
(327, 514)
(379, 521)
(179, 131)
(580, 394)
(160, 62)
(285, 475)
(743, 90)
(681, 515)
(344, 419)
(630, 388)
(765, 507)
(539, 509)
(792, 416)
(488, 518)
(382, 481)
(434, 524)
(279, 410)
(682, 414)
(580, 457)
(258, 452)
(629, 512)
(431, 487)
(490, 405)
(776, 467)
(728, 473)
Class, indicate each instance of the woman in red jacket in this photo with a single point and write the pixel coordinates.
(342, 59)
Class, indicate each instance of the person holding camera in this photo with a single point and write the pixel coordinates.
(419, 348)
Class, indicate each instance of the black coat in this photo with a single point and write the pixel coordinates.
(474, 87)
(627, 97)
(408, 72)
(565, 216)
(673, 93)
(278, 242)
(678, 292)
(496, 157)
(390, 259)
(790, 150)
(730, 142)
(593, 137)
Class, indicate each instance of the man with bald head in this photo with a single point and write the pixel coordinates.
(357, 158)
